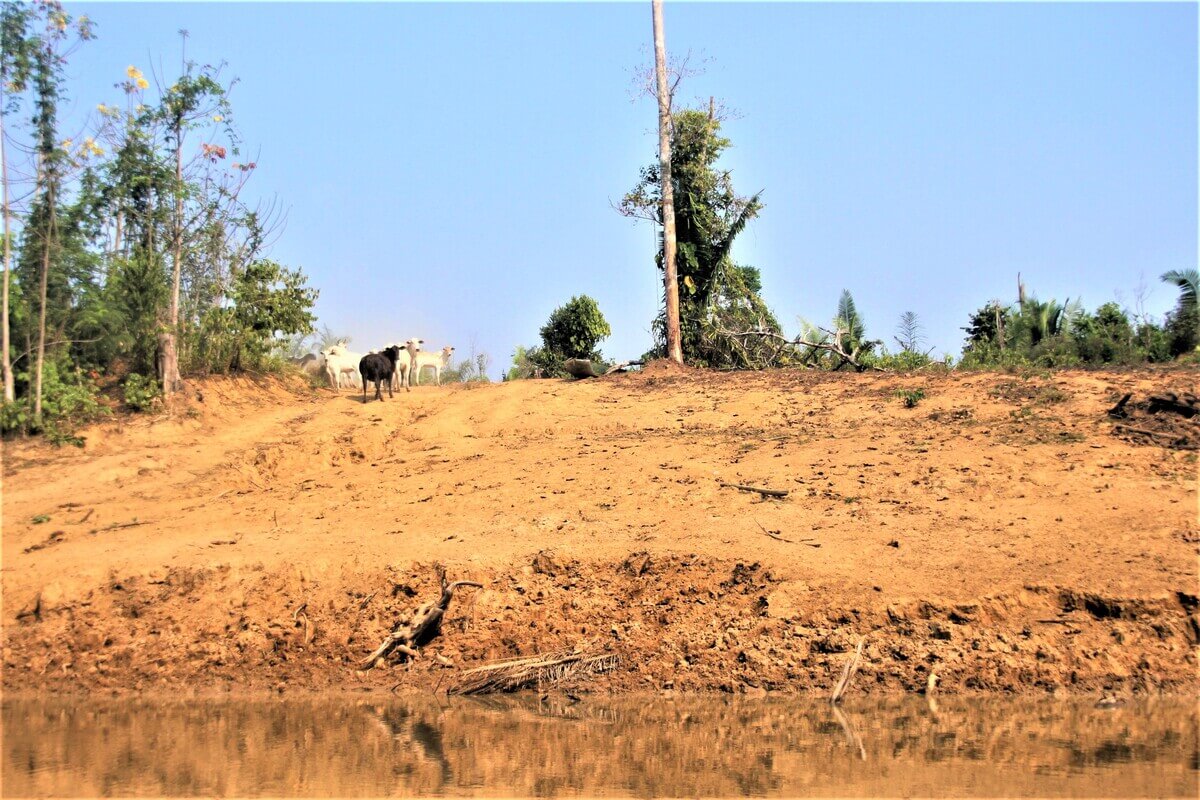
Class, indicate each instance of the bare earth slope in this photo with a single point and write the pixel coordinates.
(997, 534)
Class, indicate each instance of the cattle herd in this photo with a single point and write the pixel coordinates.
(396, 365)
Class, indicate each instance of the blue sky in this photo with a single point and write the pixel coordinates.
(448, 169)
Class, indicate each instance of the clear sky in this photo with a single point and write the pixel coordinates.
(448, 169)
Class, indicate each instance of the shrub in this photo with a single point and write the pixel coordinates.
(141, 393)
(910, 397)
(68, 401)
(575, 329)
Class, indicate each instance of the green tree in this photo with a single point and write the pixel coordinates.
(575, 329)
(717, 297)
(269, 301)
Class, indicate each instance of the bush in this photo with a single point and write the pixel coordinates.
(574, 330)
(911, 396)
(141, 393)
(68, 401)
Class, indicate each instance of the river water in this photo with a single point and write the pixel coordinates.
(629, 747)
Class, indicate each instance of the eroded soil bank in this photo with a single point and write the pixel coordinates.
(999, 535)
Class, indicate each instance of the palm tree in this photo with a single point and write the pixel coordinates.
(1044, 320)
(1183, 324)
(1188, 281)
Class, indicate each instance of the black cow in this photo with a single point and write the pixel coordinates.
(378, 368)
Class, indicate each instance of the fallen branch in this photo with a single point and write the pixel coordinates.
(1177, 441)
(118, 526)
(847, 673)
(799, 343)
(763, 492)
(424, 624)
(772, 534)
(536, 671)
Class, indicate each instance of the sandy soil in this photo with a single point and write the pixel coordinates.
(997, 534)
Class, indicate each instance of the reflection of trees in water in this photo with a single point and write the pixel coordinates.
(553, 745)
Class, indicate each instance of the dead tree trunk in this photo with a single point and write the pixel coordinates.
(415, 631)
(670, 279)
(168, 352)
(9, 389)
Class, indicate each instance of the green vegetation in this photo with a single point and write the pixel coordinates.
(574, 330)
(1052, 334)
(141, 393)
(910, 397)
(717, 297)
(130, 255)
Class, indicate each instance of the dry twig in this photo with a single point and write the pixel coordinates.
(848, 673)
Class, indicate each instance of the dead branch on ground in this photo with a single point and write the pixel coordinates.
(415, 631)
(118, 526)
(808, 348)
(763, 492)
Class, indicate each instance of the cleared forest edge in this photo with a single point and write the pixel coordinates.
(265, 536)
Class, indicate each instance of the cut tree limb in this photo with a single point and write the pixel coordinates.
(413, 632)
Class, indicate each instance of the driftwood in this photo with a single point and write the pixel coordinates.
(413, 632)
(847, 673)
(763, 492)
(532, 672)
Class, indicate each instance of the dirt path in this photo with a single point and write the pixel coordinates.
(947, 533)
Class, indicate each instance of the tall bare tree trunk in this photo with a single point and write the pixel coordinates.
(41, 345)
(9, 389)
(168, 354)
(670, 279)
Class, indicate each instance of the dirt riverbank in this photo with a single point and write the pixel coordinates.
(267, 536)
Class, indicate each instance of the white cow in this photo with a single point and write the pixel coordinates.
(437, 361)
(402, 376)
(341, 365)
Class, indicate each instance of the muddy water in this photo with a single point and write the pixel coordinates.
(351, 746)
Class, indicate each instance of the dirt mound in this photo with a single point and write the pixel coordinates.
(996, 534)
(662, 367)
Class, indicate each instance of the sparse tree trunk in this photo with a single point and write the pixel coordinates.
(670, 279)
(9, 388)
(42, 292)
(167, 352)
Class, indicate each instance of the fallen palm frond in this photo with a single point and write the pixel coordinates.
(533, 672)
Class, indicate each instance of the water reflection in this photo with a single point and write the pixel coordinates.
(624, 747)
